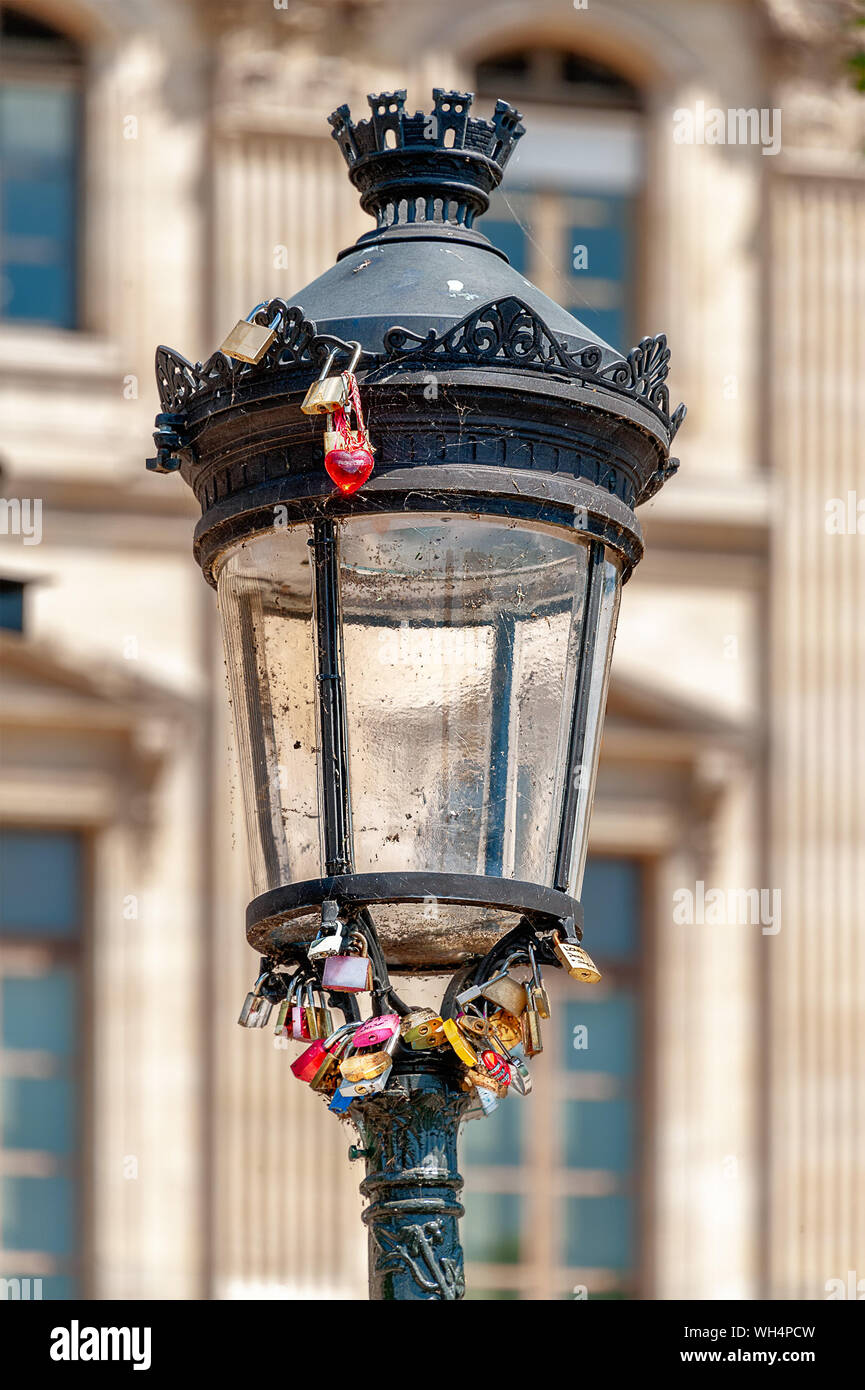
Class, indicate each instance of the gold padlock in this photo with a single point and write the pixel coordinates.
(248, 341)
(330, 393)
(364, 1066)
(507, 993)
(576, 961)
(531, 1025)
(506, 1027)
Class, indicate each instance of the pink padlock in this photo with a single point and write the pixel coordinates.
(352, 974)
(376, 1030)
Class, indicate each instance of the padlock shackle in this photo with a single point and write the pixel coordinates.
(355, 356)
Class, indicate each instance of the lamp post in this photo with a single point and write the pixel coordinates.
(418, 667)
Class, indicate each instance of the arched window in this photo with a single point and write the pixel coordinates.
(567, 216)
(40, 91)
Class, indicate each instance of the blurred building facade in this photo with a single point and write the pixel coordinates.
(698, 1124)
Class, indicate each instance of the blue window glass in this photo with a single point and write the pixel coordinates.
(611, 903)
(509, 237)
(40, 906)
(38, 158)
(37, 1214)
(491, 1226)
(40, 883)
(599, 1232)
(38, 1113)
(11, 605)
(598, 264)
(38, 1012)
(496, 1138)
(599, 1134)
(609, 1041)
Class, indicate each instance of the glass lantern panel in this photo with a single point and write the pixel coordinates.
(599, 657)
(265, 603)
(461, 639)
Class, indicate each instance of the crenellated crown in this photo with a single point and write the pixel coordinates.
(437, 167)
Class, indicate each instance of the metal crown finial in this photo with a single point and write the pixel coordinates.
(436, 167)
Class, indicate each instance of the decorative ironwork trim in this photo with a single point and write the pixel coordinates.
(504, 332)
(509, 331)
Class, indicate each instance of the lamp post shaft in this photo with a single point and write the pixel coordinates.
(412, 1187)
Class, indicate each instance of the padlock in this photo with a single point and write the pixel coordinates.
(370, 1082)
(506, 1028)
(460, 1044)
(575, 960)
(256, 1009)
(507, 992)
(488, 1099)
(248, 341)
(328, 1076)
(410, 1021)
(324, 1017)
(475, 1025)
(502, 989)
(424, 1031)
(521, 1077)
(340, 1102)
(376, 1030)
(330, 393)
(330, 935)
(497, 1067)
(307, 1066)
(531, 1024)
(352, 974)
(302, 1013)
(479, 1079)
(282, 1026)
(539, 999)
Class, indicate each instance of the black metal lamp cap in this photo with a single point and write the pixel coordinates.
(426, 172)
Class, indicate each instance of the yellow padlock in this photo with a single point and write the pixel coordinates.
(459, 1043)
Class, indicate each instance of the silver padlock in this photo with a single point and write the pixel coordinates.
(330, 935)
(256, 1009)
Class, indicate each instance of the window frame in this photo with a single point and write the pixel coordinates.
(39, 954)
(21, 68)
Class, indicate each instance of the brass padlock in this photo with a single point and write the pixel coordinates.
(575, 960)
(507, 993)
(330, 393)
(539, 999)
(506, 1027)
(531, 1025)
(248, 341)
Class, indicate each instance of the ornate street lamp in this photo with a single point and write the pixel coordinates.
(418, 665)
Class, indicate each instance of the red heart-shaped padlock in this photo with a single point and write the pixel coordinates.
(349, 467)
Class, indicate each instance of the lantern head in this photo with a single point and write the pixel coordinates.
(418, 656)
